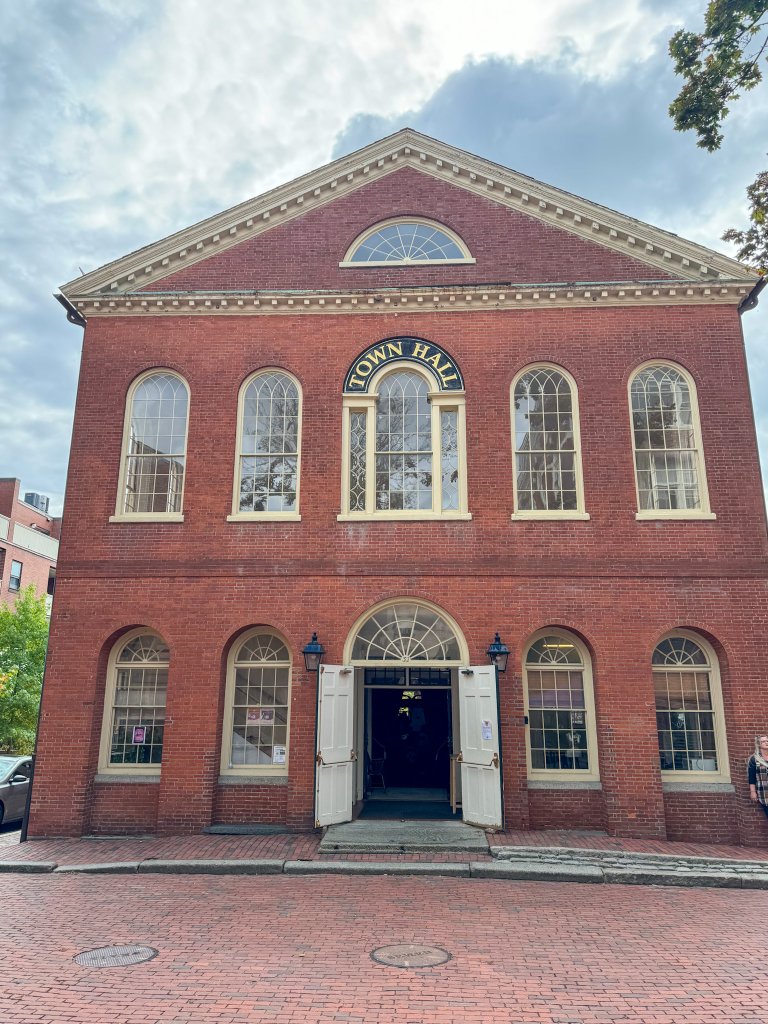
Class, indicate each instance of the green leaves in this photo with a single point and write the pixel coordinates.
(717, 64)
(754, 241)
(23, 643)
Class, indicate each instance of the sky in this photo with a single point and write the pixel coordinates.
(123, 123)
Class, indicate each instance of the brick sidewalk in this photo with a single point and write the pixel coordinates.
(282, 950)
(304, 846)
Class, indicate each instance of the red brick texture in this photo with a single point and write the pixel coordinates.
(618, 583)
(508, 246)
(297, 950)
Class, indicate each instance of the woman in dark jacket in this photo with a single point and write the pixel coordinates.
(757, 773)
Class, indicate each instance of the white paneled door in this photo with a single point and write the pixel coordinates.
(480, 749)
(335, 745)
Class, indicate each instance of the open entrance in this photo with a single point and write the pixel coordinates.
(406, 727)
(408, 743)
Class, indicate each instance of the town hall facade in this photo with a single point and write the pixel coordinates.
(414, 480)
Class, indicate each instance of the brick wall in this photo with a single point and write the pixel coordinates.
(618, 583)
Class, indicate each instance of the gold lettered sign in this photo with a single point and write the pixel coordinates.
(414, 350)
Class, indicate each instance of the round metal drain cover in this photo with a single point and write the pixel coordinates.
(405, 954)
(116, 956)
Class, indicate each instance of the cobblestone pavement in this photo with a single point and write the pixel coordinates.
(252, 950)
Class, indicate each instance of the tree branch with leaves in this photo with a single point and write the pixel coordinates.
(718, 65)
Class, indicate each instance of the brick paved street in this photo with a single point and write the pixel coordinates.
(297, 951)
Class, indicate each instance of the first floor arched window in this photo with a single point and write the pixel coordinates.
(689, 708)
(134, 705)
(562, 737)
(255, 738)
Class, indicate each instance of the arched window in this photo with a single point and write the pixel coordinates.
(134, 705)
(404, 449)
(405, 631)
(268, 446)
(405, 242)
(689, 708)
(669, 467)
(154, 448)
(545, 428)
(562, 737)
(255, 735)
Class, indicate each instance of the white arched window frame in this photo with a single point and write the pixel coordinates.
(153, 456)
(257, 702)
(268, 449)
(444, 411)
(670, 475)
(406, 631)
(406, 241)
(134, 705)
(561, 737)
(689, 710)
(546, 444)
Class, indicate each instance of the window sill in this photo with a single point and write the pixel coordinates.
(565, 784)
(168, 517)
(359, 265)
(394, 517)
(264, 517)
(103, 776)
(551, 516)
(253, 780)
(697, 786)
(681, 516)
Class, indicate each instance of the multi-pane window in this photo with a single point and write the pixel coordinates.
(135, 707)
(268, 457)
(547, 464)
(256, 732)
(560, 711)
(405, 631)
(404, 452)
(668, 465)
(14, 580)
(155, 446)
(407, 241)
(687, 708)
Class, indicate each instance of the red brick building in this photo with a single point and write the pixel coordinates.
(408, 401)
(29, 543)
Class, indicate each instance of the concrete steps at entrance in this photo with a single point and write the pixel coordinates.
(373, 836)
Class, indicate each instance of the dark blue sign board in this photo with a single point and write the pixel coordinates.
(414, 350)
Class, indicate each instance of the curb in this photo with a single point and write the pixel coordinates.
(517, 870)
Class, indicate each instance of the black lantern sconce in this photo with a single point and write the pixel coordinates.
(498, 654)
(313, 654)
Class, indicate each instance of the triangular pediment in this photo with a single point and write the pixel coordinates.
(670, 256)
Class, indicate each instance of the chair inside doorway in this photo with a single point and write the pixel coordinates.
(409, 740)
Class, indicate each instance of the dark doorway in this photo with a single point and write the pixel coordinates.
(409, 743)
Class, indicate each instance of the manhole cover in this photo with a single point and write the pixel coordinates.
(115, 956)
(404, 954)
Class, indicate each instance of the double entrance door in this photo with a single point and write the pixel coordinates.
(397, 728)
(408, 737)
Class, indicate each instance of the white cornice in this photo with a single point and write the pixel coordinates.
(648, 244)
(415, 301)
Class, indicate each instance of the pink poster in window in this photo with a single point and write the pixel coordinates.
(139, 734)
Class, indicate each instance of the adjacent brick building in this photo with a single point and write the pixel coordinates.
(29, 543)
(408, 401)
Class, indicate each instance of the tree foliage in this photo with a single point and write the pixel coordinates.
(718, 65)
(23, 643)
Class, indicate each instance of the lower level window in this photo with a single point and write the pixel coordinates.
(561, 731)
(134, 716)
(14, 580)
(688, 706)
(258, 691)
